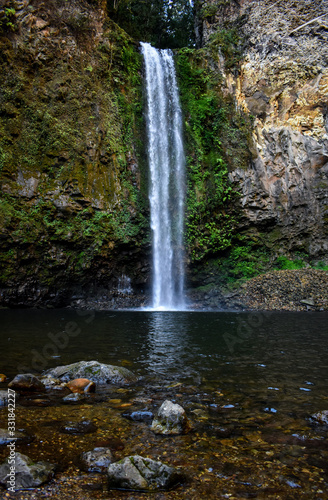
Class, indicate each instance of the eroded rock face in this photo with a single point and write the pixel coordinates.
(63, 151)
(138, 473)
(282, 81)
(171, 420)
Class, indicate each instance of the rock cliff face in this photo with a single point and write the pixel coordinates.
(73, 209)
(281, 80)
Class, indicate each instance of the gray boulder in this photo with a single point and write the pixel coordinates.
(138, 473)
(171, 420)
(28, 474)
(96, 460)
(99, 373)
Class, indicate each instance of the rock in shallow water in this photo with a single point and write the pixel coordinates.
(19, 437)
(321, 417)
(26, 382)
(28, 474)
(138, 416)
(82, 427)
(138, 473)
(171, 420)
(74, 398)
(96, 460)
(3, 398)
(81, 385)
(99, 373)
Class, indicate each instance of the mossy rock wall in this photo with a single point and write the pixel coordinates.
(74, 208)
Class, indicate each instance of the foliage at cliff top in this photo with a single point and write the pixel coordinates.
(163, 23)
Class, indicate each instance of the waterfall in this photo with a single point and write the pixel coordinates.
(167, 187)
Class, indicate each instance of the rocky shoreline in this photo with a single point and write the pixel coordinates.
(284, 290)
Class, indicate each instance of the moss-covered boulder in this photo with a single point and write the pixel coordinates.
(99, 373)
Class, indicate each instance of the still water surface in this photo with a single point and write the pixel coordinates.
(249, 382)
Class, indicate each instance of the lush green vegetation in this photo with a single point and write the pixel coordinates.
(70, 140)
(163, 23)
(212, 126)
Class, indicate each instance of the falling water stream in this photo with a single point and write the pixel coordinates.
(166, 165)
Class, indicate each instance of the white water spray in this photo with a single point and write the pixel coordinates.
(167, 187)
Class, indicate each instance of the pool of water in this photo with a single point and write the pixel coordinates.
(248, 381)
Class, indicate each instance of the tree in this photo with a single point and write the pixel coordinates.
(163, 23)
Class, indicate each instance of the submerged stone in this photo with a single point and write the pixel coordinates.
(82, 427)
(321, 417)
(28, 474)
(3, 398)
(99, 373)
(96, 460)
(6, 437)
(73, 398)
(26, 382)
(138, 473)
(139, 416)
(171, 420)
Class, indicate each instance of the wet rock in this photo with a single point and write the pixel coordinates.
(171, 420)
(320, 418)
(3, 398)
(138, 473)
(26, 382)
(82, 427)
(3, 378)
(73, 398)
(51, 382)
(99, 373)
(81, 385)
(96, 460)
(285, 290)
(28, 474)
(139, 416)
(19, 437)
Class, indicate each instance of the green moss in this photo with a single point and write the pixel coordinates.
(216, 139)
(79, 134)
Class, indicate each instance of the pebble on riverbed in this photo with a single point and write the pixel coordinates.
(171, 420)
